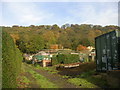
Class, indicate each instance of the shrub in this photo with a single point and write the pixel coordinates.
(65, 59)
(54, 60)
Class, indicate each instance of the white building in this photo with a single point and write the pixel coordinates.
(90, 48)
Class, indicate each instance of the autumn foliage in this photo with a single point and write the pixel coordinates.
(81, 47)
(55, 46)
(33, 38)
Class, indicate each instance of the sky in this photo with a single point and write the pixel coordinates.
(49, 13)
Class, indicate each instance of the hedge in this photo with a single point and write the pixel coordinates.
(65, 59)
(11, 62)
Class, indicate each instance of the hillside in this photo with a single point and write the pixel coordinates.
(31, 39)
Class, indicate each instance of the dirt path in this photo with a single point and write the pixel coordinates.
(33, 82)
(54, 78)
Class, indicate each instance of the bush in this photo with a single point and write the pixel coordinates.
(54, 60)
(11, 62)
(65, 59)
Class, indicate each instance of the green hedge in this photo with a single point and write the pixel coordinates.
(65, 59)
(11, 62)
(54, 60)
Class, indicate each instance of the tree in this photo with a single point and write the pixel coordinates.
(81, 47)
(35, 44)
(55, 27)
(97, 27)
(85, 42)
(49, 38)
(65, 26)
(69, 36)
(30, 43)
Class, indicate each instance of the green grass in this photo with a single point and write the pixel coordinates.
(23, 67)
(51, 69)
(82, 83)
(44, 83)
(65, 76)
(89, 80)
(98, 80)
(25, 80)
(86, 74)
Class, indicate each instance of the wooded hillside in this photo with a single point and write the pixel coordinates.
(32, 38)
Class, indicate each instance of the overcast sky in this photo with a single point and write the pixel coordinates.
(49, 13)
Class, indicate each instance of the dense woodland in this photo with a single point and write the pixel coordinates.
(31, 39)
